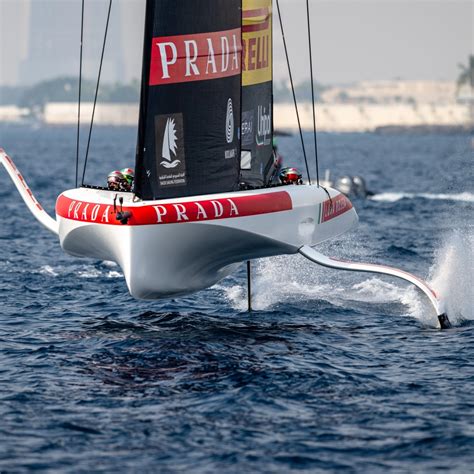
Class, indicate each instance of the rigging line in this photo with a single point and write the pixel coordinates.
(96, 91)
(293, 90)
(241, 82)
(80, 92)
(312, 93)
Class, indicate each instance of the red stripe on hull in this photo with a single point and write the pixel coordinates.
(335, 207)
(195, 211)
(22, 180)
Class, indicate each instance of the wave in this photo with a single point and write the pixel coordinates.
(394, 197)
(82, 271)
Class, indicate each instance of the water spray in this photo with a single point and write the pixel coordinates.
(321, 259)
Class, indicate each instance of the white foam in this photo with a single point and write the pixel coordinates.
(277, 280)
(91, 272)
(113, 274)
(452, 275)
(84, 271)
(48, 270)
(375, 290)
(379, 291)
(394, 197)
(293, 279)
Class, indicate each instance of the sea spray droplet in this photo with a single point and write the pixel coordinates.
(290, 279)
(395, 196)
(48, 270)
(452, 275)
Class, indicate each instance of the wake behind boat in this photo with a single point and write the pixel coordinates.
(204, 197)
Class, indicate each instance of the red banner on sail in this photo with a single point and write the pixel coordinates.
(198, 57)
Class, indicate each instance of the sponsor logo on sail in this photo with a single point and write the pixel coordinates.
(264, 125)
(170, 145)
(256, 53)
(256, 42)
(198, 57)
(229, 122)
(247, 128)
(169, 149)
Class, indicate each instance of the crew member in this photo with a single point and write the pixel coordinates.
(290, 176)
(129, 175)
(116, 182)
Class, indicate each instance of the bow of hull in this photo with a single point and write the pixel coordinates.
(171, 248)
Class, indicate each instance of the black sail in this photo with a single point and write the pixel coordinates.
(190, 109)
(257, 92)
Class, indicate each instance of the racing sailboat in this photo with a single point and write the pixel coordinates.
(203, 200)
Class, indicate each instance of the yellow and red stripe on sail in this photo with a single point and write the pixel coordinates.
(256, 42)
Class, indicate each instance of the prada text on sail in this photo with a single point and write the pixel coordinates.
(198, 57)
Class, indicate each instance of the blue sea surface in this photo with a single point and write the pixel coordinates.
(332, 372)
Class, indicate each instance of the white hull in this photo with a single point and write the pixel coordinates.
(167, 259)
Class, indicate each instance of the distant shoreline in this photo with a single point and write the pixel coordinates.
(339, 118)
(425, 129)
(388, 130)
(384, 106)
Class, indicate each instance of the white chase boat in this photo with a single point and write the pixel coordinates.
(203, 201)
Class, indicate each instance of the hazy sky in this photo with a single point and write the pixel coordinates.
(382, 39)
(353, 39)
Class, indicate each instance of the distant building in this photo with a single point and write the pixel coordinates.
(13, 50)
(132, 28)
(392, 92)
(46, 40)
(54, 50)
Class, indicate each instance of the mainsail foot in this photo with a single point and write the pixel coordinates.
(321, 259)
(25, 192)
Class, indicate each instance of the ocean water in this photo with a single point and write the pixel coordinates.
(332, 371)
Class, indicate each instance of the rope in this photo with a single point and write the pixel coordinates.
(293, 91)
(96, 91)
(79, 99)
(312, 93)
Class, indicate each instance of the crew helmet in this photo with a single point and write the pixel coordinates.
(116, 181)
(128, 174)
(290, 176)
